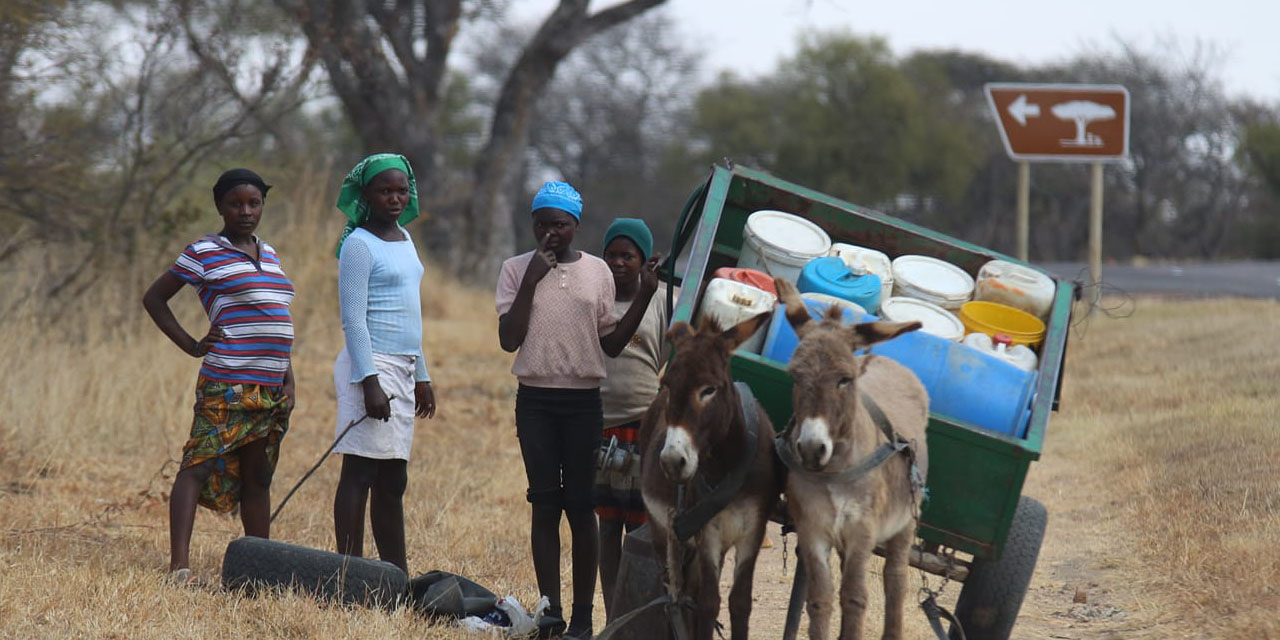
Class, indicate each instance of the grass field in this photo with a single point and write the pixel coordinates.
(1165, 456)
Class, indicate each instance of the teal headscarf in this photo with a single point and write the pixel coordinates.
(351, 197)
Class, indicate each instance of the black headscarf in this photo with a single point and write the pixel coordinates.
(233, 178)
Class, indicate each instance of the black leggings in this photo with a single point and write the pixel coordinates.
(559, 431)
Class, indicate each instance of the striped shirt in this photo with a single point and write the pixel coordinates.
(249, 299)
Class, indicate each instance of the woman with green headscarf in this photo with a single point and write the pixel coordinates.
(380, 376)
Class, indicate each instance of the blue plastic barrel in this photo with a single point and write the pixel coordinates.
(962, 382)
(830, 275)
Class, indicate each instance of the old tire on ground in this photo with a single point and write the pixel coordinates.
(253, 563)
(992, 595)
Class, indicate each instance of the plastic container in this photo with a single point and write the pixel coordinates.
(757, 279)
(965, 383)
(827, 300)
(1015, 285)
(729, 302)
(931, 280)
(780, 244)
(830, 275)
(1001, 346)
(935, 319)
(781, 340)
(994, 318)
(862, 260)
(962, 382)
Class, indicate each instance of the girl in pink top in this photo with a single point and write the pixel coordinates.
(555, 307)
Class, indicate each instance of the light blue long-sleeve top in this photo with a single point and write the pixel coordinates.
(378, 284)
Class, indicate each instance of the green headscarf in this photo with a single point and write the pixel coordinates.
(351, 197)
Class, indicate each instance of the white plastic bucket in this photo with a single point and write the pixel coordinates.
(1015, 285)
(780, 243)
(931, 280)
(828, 299)
(1018, 355)
(862, 260)
(730, 302)
(935, 319)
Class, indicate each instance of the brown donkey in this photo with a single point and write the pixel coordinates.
(707, 485)
(859, 424)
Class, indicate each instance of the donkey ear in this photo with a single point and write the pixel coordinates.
(869, 333)
(740, 333)
(797, 313)
(679, 332)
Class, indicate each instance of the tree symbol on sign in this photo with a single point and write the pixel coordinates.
(1083, 112)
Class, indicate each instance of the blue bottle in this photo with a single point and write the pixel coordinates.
(830, 275)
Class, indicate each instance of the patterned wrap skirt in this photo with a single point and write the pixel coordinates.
(228, 417)
(616, 494)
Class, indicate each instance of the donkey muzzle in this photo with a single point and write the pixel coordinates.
(679, 458)
(813, 443)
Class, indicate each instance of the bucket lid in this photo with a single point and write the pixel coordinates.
(786, 236)
(864, 260)
(935, 319)
(1017, 272)
(753, 277)
(934, 277)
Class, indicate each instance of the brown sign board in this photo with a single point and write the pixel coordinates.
(1062, 122)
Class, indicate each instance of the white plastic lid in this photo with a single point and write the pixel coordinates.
(1006, 269)
(935, 319)
(933, 277)
(786, 236)
(862, 260)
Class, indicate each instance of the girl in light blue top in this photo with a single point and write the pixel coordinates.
(381, 367)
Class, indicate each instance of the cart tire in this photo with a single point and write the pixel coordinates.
(992, 595)
(252, 564)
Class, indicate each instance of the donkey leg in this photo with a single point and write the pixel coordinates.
(816, 553)
(896, 552)
(853, 583)
(745, 554)
(708, 590)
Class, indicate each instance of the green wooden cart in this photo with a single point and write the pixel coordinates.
(975, 504)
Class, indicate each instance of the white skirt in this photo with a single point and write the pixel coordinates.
(371, 438)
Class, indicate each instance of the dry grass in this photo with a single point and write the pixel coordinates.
(1165, 456)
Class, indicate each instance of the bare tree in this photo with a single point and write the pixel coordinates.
(387, 62)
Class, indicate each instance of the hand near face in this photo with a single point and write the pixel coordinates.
(649, 275)
(544, 260)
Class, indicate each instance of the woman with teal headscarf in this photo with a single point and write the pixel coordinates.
(380, 376)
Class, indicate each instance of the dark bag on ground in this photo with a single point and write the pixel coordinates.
(448, 595)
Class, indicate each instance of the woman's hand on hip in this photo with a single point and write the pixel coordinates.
(215, 335)
(424, 400)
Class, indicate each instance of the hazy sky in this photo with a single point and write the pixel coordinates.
(750, 35)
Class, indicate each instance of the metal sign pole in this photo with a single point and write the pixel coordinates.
(1095, 233)
(1024, 206)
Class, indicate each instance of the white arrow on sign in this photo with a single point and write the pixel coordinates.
(1021, 109)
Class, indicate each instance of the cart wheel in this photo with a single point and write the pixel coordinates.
(993, 592)
(251, 563)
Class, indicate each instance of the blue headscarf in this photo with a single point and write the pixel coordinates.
(559, 195)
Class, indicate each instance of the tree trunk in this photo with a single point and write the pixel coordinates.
(489, 236)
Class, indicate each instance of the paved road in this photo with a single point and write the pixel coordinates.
(1248, 279)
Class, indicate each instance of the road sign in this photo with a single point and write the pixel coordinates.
(1062, 122)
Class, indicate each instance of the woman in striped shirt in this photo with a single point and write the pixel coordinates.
(245, 390)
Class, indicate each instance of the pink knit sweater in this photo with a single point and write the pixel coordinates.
(572, 308)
